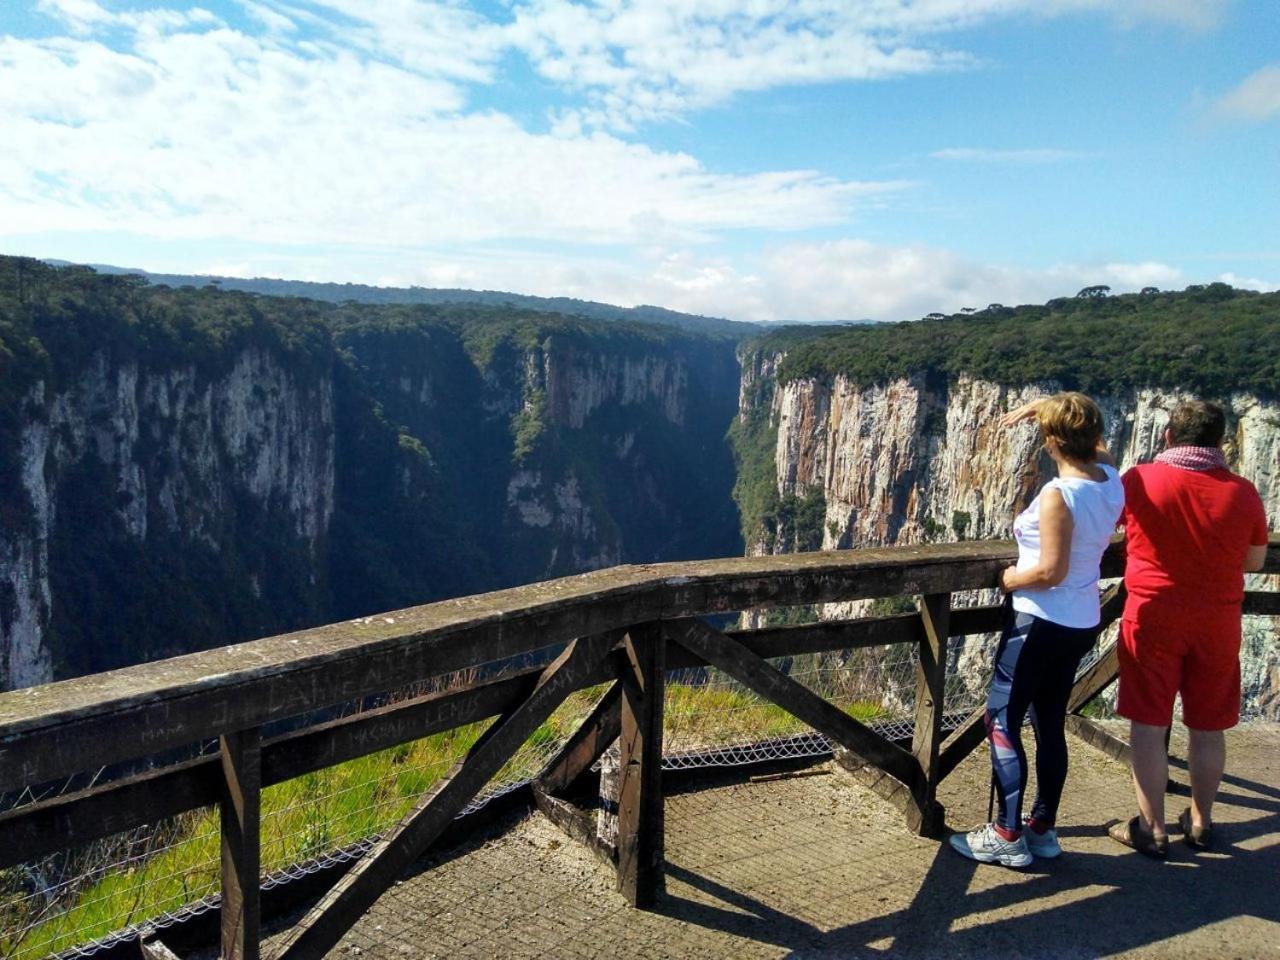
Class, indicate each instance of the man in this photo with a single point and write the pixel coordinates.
(1193, 529)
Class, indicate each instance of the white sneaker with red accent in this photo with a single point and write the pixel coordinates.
(987, 846)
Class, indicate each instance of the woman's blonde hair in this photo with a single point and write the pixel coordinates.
(1074, 421)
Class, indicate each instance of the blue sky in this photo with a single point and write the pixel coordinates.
(764, 160)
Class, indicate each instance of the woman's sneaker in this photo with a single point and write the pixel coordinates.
(1042, 845)
(987, 846)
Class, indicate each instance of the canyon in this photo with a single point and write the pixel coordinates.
(183, 468)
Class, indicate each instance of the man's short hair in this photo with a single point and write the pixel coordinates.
(1074, 421)
(1197, 423)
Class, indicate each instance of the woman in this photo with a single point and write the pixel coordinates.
(1051, 623)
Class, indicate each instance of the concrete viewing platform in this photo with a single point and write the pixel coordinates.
(818, 866)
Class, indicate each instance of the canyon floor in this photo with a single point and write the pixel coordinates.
(819, 867)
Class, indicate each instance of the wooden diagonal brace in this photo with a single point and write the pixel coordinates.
(797, 699)
(1095, 736)
(963, 740)
(600, 729)
(1107, 667)
(329, 919)
(1096, 679)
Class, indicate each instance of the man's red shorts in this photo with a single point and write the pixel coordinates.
(1197, 655)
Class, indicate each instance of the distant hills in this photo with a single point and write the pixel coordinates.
(363, 293)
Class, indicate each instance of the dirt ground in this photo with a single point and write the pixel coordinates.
(819, 867)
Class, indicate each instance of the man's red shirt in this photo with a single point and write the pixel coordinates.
(1187, 533)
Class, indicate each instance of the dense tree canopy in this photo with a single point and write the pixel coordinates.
(362, 293)
(1214, 339)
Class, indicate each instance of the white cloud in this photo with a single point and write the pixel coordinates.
(212, 133)
(986, 155)
(637, 62)
(1256, 98)
(435, 37)
(1249, 283)
(1190, 14)
(79, 15)
(839, 280)
(272, 20)
(855, 279)
(348, 124)
(241, 269)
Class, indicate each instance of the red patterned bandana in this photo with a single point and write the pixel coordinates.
(1194, 458)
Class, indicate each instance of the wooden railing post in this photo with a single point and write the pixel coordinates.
(640, 807)
(240, 806)
(925, 815)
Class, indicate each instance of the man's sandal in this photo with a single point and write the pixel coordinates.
(1198, 838)
(1131, 834)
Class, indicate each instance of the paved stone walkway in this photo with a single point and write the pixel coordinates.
(818, 867)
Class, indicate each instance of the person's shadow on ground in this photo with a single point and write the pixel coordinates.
(1112, 903)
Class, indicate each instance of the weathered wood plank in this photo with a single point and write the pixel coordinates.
(86, 815)
(769, 643)
(141, 710)
(966, 621)
(1096, 679)
(62, 728)
(963, 740)
(1095, 736)
(321, 928)
(641, 829)
(107, 809)
(593, 736)
(145, 798)
(336, 741)
(826, 635)
(60, 823)
(926, 815)
(240, 809)
(764, 679)
(1111, 605)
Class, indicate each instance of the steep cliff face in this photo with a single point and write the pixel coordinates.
(923, 458)
(139, 480)
(182, 469)
(630, 463)
(562, 452)
(905, 462)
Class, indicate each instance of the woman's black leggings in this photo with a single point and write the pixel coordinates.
(1035, 669)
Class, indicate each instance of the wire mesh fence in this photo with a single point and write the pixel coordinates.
(79, 901)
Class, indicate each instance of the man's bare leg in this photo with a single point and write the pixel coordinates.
(1150, 774)
(1207, 758)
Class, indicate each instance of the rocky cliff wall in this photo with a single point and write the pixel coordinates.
(630, 463)
(923, 458)
(154, 504)
(134, 478)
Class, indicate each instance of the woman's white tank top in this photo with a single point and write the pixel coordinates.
(1095, 509)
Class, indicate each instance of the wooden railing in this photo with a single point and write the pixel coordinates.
(627, 626)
